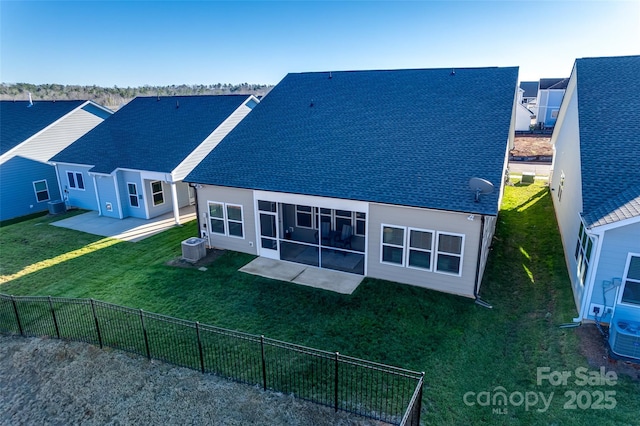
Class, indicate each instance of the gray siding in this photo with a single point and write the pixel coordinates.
(54, 139)
(566, 142)
(243, 197)
(17, 195)
(450, 222)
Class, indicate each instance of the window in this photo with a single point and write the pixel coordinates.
(133, 195)
(41, 190)
(393, 245)
(449, 253)
(420, 249)
(304, 217)
(226, 219)
(234, 218)
(361, 223)
(631, 289)
(561, 186)
(584, 246)
(76, 181)
(157, 193)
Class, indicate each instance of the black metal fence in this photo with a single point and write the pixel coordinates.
(389, 394)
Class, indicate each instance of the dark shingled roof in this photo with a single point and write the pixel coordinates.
(553, 83)
(151, 133)
(18, 121)
(530, 89)
(404, 137)
(609, 137)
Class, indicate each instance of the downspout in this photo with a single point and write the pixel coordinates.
(115, 184)
(478, 263)
(174, 199)
(60, 190)
(95, 189)
(195, 190)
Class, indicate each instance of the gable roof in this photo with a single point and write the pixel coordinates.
(609, 137)
(19, 121)
(553, 83)
(530, 89)
(151, 133)
(406, 137)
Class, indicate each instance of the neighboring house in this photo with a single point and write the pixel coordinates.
(30, 134)
(596, 189)
(134, 164)
(550, 94)
(524, 116)
(367, 172)
(530, 92)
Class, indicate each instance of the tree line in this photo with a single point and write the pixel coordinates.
(114, 97)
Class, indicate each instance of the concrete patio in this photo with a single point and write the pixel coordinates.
(128, 229)
(326, 279)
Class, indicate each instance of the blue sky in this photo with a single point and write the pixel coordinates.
(133, 43)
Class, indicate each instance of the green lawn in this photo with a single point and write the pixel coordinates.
(461, 346)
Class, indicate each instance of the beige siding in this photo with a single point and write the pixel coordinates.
(198, 154)
(450, 222)
(243, 197)
(489, 230)
(52, 140)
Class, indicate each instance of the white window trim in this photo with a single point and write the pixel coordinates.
(153, 200)
(581, 256)
(332, 220)
(431, 249)
(437, 253)
(35, 190)
(310, 213)
(403, 247)
(225, 219)
(75, 180)
(137, 194)
(561, 185)
(625, 278)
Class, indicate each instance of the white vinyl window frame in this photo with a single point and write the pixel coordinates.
(75, 180)
(357, 219)
(133, 195)
(443, 253)
(584, 248)
(561, 186)
(634, 280)
(226, 220)
(413, 248)
(392, 245)
(155, 193)
(40, 191)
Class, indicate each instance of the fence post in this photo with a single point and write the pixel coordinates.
(15, 310)
(144, 332)
(419, 401)
(336, 383)
(264, 364)
(55, 320)
(200, 347)
(95, 318)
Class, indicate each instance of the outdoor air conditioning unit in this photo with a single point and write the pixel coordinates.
(624, 338)
(193, 249)
(56, 207)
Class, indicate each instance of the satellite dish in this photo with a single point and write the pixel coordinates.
(480, 187)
